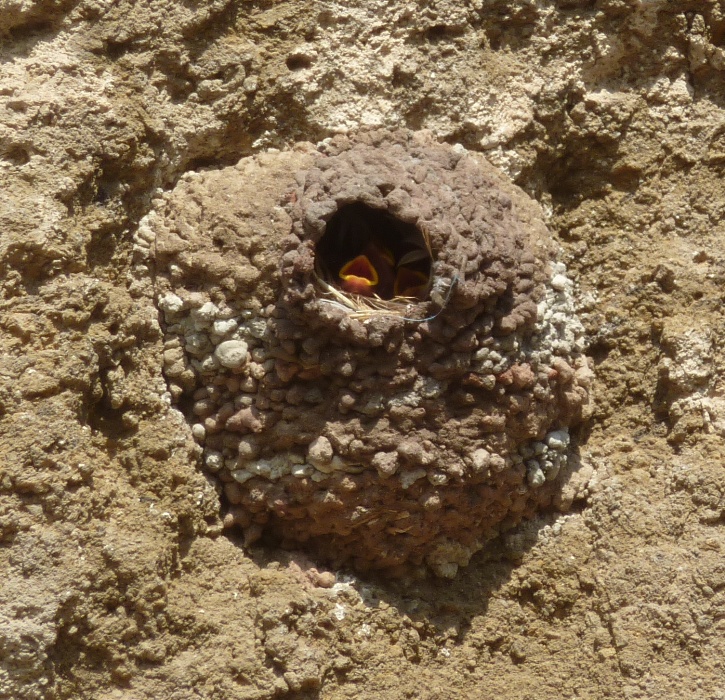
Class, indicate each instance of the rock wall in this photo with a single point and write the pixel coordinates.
(117, 578)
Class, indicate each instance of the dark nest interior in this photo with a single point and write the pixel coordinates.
(367, 252)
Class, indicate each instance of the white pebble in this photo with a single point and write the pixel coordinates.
(498, 463)
(145, 232)
(208, 364)
(559, 282)
(171, 304)
(302, 470)
(534, 474)
(276, 467)
(558, 440)
(539, 448)
(319, 452)
(232, 353)
(409, 478)
(214, 460)
(335, 465)
(204, 316)
(480, 459)
(224, 326)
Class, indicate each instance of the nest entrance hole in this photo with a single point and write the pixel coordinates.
(367, 252)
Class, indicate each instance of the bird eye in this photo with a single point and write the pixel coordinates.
(368, 252)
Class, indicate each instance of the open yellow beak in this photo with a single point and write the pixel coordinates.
(373, 273)
(359, 276)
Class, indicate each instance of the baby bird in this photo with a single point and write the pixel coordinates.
(385, 260)
(410, 283)
(371, 273)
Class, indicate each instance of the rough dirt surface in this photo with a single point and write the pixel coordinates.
(115, 579)
(391, 437)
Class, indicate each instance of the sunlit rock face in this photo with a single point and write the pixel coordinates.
(374, 345)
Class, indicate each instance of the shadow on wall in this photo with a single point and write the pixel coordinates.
(437, 607)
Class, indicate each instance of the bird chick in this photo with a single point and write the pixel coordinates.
(410, 283)
(372, 273)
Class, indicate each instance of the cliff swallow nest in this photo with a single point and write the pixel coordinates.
(379, 356)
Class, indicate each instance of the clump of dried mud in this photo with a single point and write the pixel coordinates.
(386, 437)
(117, 578)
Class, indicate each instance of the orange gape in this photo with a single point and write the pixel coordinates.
(369, 274)
(374, 273)
(359, 276)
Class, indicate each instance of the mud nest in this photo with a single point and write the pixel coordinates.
(381, 361)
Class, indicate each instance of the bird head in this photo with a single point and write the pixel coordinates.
(359, 276)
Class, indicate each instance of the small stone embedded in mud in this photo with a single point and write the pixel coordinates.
(380, 353)
(232, 354)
